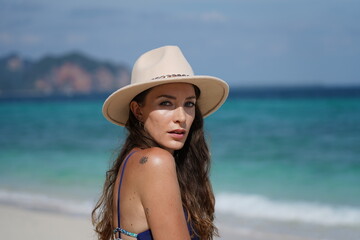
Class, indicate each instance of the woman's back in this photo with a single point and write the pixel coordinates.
(150, 196)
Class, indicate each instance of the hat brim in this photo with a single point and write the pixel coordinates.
(213, 93)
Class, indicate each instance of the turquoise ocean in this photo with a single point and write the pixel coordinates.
(285, 160)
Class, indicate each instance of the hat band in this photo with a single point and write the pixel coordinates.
(169, 76)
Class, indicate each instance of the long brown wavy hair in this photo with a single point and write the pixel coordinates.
(192, 166)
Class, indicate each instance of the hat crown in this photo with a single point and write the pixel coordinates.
(160, 63)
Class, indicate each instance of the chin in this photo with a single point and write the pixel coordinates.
(174, 147)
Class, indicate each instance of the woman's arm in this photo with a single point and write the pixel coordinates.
(160, 195)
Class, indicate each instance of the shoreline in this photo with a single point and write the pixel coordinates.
(17, 222)
(235, 218)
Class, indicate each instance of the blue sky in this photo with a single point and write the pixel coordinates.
(245, 42)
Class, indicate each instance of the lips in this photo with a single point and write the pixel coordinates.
(177, 133)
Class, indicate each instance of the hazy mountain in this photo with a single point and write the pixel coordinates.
(68, 75)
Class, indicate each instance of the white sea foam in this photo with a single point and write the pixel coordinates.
(241, 205)
(46, 203)
(255, 206)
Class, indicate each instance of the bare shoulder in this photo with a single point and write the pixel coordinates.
(156, 158)
(150, 165)
(155, 167)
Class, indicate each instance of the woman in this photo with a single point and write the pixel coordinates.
(158, 187)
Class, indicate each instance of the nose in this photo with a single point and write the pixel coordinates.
(180, 115)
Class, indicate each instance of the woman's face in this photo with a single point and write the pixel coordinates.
(167, 114)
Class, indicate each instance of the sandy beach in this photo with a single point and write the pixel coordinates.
(17, 223)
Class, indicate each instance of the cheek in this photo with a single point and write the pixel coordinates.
(190, 122)
(191, 117)
(155, 121)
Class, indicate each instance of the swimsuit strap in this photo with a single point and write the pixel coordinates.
(118, 202)
(120, 230)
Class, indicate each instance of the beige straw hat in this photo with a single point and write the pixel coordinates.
(161, 66)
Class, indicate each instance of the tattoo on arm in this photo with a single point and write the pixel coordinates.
(143, 160)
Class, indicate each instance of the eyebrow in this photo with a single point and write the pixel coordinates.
(172, 97)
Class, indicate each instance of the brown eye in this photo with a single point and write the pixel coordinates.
(165, 103)
(189, 104)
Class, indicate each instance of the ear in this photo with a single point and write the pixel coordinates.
(136, 110)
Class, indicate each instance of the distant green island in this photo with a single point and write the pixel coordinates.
(77, 76)
(68, 75)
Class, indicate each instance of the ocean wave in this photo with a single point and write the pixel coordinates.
(46, 203)
(260, 207)
(240, 205)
